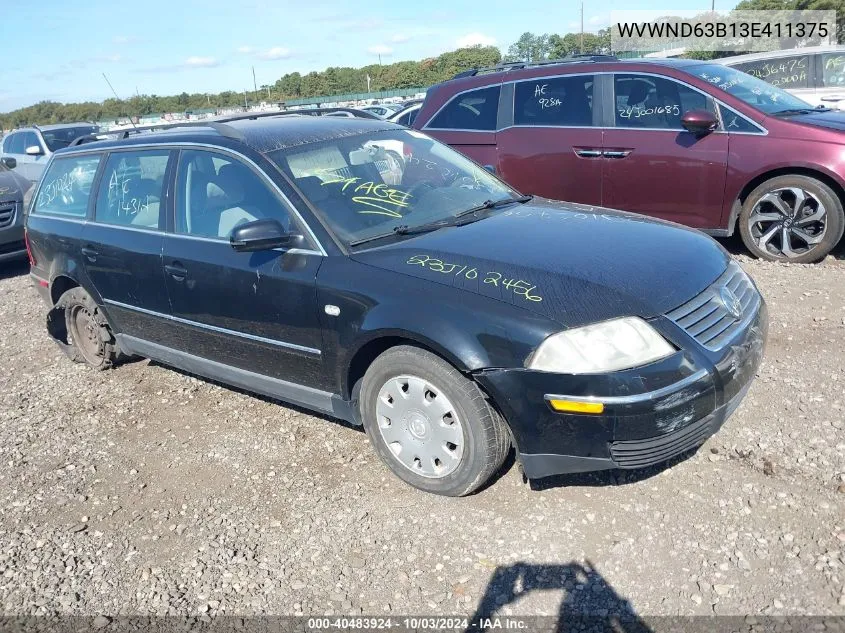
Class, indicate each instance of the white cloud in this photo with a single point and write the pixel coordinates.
(245, 50)
(380, 49)
(475, 39)
(277, 52)
(400, 38)
(201, 62)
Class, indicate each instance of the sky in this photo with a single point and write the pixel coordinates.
(57, 50)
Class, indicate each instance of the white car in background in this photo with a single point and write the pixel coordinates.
(815, 74)
(406, 115)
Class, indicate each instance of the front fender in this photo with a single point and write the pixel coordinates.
(470, 331)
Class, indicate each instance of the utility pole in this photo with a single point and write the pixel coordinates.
(254, 83)
(581, 47)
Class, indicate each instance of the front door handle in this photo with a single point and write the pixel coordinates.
(616, 153)
(177, 271)
(588, 153)
(90, 253)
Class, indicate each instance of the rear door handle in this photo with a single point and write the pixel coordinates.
(90, 253)
(616, 153)
(588, 153)
(177, 271)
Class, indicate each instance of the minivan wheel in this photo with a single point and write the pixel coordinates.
(89, 339)
(792, 218)
(430, 424)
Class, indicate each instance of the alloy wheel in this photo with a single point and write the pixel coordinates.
(420, 426)
(788, 222)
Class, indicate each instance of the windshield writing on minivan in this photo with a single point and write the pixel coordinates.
(753, 91)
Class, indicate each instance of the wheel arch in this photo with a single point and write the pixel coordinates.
(813, 172)
(60, 285)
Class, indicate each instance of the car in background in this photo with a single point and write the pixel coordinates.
(449, 315)
(693, 142)
(815, 74)
(15, 193)
(31, 147)
(381, 110)
(407, 114)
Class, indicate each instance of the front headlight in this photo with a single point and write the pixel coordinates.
(600, 347)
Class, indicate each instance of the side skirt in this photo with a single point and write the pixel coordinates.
(300, 395)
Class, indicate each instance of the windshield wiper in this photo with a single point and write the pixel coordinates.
(793, 111)
(492, 204)
(404, 229)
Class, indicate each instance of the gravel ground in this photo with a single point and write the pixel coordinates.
(142, 490)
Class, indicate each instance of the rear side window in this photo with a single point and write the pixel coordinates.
(554, 101)
(833, 70)
(13, 144)
(474, 110)
(784, 72)
(66, 187)
(646, 101)
(132, 188)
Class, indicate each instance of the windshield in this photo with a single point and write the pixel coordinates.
(62, 137)
(370, 184)
(755, 92)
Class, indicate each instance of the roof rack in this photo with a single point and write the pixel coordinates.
(361, 114)
(574, 59)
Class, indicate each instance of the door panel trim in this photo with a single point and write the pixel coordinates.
(301, 395)
(214, 328)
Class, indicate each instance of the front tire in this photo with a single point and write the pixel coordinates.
(431, 425)
(792, 219)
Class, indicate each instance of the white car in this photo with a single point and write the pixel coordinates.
(406, 115)
(815, 74)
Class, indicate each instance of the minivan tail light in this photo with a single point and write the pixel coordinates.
(28, 248)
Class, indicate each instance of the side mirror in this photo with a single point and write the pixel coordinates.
(33, 150)
(9, 162)
(263, 235)
(699, 122)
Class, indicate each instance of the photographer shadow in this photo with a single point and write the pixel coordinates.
(588, 603)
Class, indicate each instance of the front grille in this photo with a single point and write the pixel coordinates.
(707, 317)
(641, 453)
(7, 214)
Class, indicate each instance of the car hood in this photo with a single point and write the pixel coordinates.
(572, 263)
(13, 186)
(832, 119)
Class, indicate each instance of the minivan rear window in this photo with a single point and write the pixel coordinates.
(473, 110)
(66, 186)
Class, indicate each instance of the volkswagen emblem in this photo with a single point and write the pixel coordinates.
(731, 303)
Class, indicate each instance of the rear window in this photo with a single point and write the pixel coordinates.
(554, 101)
(833, 70)
(473, 110)
(66, 186)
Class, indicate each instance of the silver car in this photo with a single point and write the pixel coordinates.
(31, 147)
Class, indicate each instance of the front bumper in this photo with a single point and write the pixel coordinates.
(12, 244)
(651, 413)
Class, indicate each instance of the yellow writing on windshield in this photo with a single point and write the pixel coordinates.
(376, 198)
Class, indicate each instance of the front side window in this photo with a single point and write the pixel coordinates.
(368, 184)
(751, 90)
(646, 101)
(30, 139)
(566, 101)
(833, 70)
(132, 189)
(63, 137)
(473, 110)
(786, 72)
(216, 193)
(66, 186)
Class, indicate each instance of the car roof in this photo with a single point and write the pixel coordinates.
(62, 126)
(263, 134)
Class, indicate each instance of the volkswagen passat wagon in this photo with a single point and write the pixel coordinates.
(371, 273)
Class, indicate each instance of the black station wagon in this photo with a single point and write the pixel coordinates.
(370, 273)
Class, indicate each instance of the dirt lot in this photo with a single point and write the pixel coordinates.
(144, 490)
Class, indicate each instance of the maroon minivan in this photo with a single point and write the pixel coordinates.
(689, 141)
